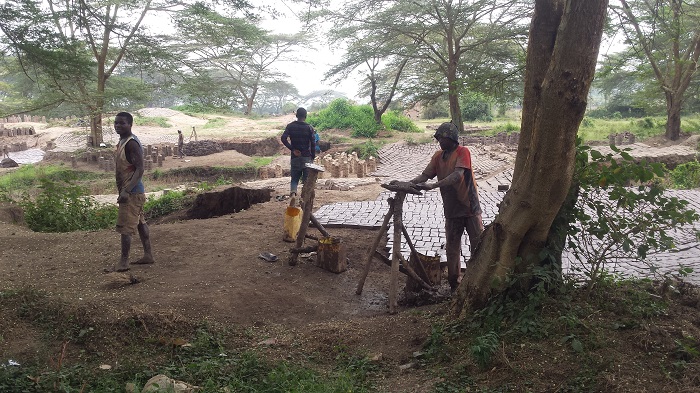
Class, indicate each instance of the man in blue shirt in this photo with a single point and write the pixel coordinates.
(298, 137)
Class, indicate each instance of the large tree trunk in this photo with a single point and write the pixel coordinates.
(453, 96)
(562, 52)
(673, 117)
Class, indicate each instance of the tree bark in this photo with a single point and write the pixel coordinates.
(562, 53)
(453, 95)
(673, 117)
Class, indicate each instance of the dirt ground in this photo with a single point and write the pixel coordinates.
(210, 270)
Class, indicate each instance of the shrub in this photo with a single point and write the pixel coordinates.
(394, 120)
(622, 211)
(686, 176)
(475, 106)
(65, 208)
(366, 149)
(342, 115)
(166, 204)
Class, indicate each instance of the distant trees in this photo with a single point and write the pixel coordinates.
(436, 39)
(666, 35)
(74, 48)
(228, 53)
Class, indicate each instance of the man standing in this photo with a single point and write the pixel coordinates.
(298, 136)
(453, 167)
(129, 171)
(180, 143)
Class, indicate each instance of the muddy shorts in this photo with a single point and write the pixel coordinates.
(131, 214)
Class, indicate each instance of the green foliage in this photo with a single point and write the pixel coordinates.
(395, 120)
(686, 176)
(155, 121)
(436, 110)
(475, 106)
(196, 109)
(208, 361)
(168, 203)
(622, 211)
(65, 208)
(340, 114)
(484, 347)
(366, 149)
(27, 177)
(507, 127)
(216, 122)
(598, 129)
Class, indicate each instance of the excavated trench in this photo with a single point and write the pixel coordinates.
(231, 200)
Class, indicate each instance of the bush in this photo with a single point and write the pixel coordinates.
(686, 176)
(166, 204)
(66, 208)
(341, 114)
(475, 106)
(436, 110)
(366, 149)
(394, 120)
(622, 211)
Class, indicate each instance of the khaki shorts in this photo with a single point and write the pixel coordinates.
(131, 214)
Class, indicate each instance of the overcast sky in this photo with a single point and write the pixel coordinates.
(307, 77)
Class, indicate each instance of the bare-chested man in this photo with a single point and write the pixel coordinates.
(129, 171)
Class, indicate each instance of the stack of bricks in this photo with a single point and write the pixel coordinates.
(624, 138)
(106, 164)
(270, 171)
(16, 131)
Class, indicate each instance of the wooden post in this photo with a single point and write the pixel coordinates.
(382, 233)
(398, 224)
(308, 192)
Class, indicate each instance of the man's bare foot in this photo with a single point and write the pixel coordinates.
(145, 260)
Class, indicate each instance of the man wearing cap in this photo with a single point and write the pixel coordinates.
(453, 167)
(299, 138)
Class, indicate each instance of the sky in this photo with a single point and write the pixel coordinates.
(308, 77)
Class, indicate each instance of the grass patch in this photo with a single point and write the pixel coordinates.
(217, 122)
(213, 358)
(156, 121)
(366, 149)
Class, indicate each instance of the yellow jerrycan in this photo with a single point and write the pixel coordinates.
(292, 220)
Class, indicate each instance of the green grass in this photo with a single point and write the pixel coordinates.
(213, 358)
(26, 178)
(157, 121)
(216, 122)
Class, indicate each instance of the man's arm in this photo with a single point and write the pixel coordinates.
(285, 139)
(312, 143)
(134, 154)
(453, 178)
(419, 179)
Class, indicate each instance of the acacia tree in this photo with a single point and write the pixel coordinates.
(74, 47)
(667, 33)
(562, 50)
(379, 59)
(232, 51)
(441, 32)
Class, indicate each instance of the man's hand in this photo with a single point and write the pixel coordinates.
(123, 197)
(296, 152)
(425, 186)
